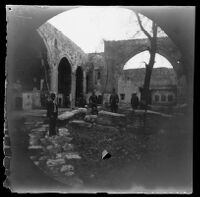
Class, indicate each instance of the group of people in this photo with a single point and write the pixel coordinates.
(113, 101)
(52, 107)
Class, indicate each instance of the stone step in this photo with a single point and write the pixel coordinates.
(63, 132)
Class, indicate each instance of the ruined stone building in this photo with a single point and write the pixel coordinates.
(71, 73)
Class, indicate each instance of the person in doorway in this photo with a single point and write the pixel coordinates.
(134, 101)
(93, 103)
(52, 114)
(114, 100)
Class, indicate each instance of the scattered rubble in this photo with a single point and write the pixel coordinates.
(67, 168)
(90, 118)
(102, 112)
(54, 162)
(80, 123)
(55, 153)
(68, 147)
(72, 155)
(69, 114)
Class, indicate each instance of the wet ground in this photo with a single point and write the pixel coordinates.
(158, 155)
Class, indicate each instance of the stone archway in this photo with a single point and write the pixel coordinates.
(79, 83)
(131, 79)
(64, 82)
(117, 53)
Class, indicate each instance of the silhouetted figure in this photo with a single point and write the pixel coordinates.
(114, 100)
(134, 101)
(52, 114)
(93, 103)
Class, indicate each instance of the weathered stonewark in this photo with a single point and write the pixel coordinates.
(107, 113)
(71, 114)
(90, 118)
(80, 123)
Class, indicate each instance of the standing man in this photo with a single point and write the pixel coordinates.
(93, 103)
(134, 101)
(114, 100)
(52, 114)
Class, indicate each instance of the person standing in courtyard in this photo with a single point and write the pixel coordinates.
(134, 101)
(52, 114)
(93, 103)
(114, 100)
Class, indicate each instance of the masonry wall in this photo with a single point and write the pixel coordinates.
(130, 81)
(58, 47)
(117, 53)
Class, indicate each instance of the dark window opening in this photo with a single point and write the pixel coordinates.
(79, 83)
(170, 98)
(60, 101)
(122, 96)
(64, 81)
(157, 98)
(163, 98)
(98, 75)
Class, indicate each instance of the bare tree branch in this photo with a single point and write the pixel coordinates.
(142, 28)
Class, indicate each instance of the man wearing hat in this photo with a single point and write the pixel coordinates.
(134, 101)
(114, 100)
(52, 114)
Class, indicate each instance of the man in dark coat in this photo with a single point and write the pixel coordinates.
(93, 103)
(134, 101)
(114, 100)
(52, 114)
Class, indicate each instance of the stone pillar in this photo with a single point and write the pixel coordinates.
(54, 80)
(84, 82)
(73, 89)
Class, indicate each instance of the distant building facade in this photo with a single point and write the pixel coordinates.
(163, 85)
(164, 95)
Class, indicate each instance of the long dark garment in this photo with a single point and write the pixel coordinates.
(134, 102)
(114, 100)
(52, 126)
(52, 113)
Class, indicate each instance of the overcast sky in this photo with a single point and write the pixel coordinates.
(89, 26)
(138, 61)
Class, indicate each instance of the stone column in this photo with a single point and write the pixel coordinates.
(84, 82)
(54, 80)
(73, 89)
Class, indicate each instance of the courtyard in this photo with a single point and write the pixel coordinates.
(69, 61)
(156, 156)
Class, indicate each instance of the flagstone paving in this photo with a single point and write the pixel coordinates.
(53, 154)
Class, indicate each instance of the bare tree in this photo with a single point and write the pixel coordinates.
(149, 67)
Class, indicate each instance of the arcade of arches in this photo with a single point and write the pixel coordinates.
(71, 70)
(63, 47)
